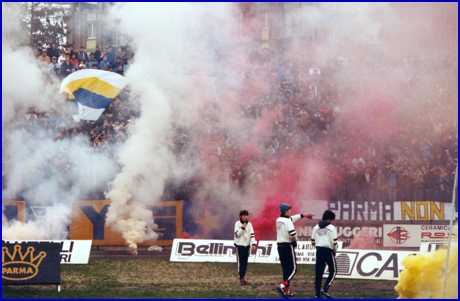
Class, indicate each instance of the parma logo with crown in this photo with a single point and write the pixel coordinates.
(20, 265)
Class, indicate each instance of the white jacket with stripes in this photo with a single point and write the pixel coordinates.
(244, 237)
(285, 231)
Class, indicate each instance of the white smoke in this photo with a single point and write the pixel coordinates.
(35, 167)
(52, 223)
(15, 230)
(164, 35)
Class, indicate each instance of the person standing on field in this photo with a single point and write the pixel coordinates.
(244, 238)
(286, 238)
(324, 238)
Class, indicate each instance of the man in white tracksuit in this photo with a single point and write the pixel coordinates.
(286, 238)
(243, 238)
(324, 238)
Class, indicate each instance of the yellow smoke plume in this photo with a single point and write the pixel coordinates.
(423, 275)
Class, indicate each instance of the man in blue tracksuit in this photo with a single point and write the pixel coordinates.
(324, 238)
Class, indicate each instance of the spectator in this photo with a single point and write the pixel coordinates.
(447, 158)
(117, 63)
(104, 64)
(53, 65)
(418, 185)
(429, 183)
(58, 73)
(120, 117)
(119, 54)
(73, 59)
(98, 55)
(61, 59)
(129, 54)
(119, 70)
(360, 185)
(38, 49)
(76, 66)
(53, 51)
(44, 58)
(392, 178)
(82, 55)
(437, 160)
(110, 55)
(68, 50)
(443, 186)
(405, 186)
(359, 163)
(379, 183)
(449, 168)
(368, 190)
(91, 61)
(325, 111)
(425, 147)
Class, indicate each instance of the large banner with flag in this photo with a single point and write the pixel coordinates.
(93, 90)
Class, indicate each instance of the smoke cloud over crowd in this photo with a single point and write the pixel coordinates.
(199, 94)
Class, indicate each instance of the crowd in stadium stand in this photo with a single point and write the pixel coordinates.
(303, 100)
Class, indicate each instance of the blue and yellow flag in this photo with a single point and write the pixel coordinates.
(93, 90)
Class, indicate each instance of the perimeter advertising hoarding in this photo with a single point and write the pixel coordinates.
(364, 220)
(370, 264)
(347, 231)
(355, 264)
(400, 235)
(203, 250)
(381, 211)
(71, 251)
(31, 263)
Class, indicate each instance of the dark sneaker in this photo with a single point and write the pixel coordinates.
(289, 294)
(280, 290)
(325, 294)
(244, 282)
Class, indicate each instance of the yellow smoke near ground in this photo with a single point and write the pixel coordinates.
(423, 275)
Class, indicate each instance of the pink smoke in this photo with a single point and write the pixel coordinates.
(264, 223)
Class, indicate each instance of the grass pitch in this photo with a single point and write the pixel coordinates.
(161, 279)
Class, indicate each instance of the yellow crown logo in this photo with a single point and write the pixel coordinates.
(20, 266)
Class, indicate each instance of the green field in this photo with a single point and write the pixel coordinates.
(159, 278)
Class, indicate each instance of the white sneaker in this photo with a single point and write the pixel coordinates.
(325, 294)
(280, 290)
